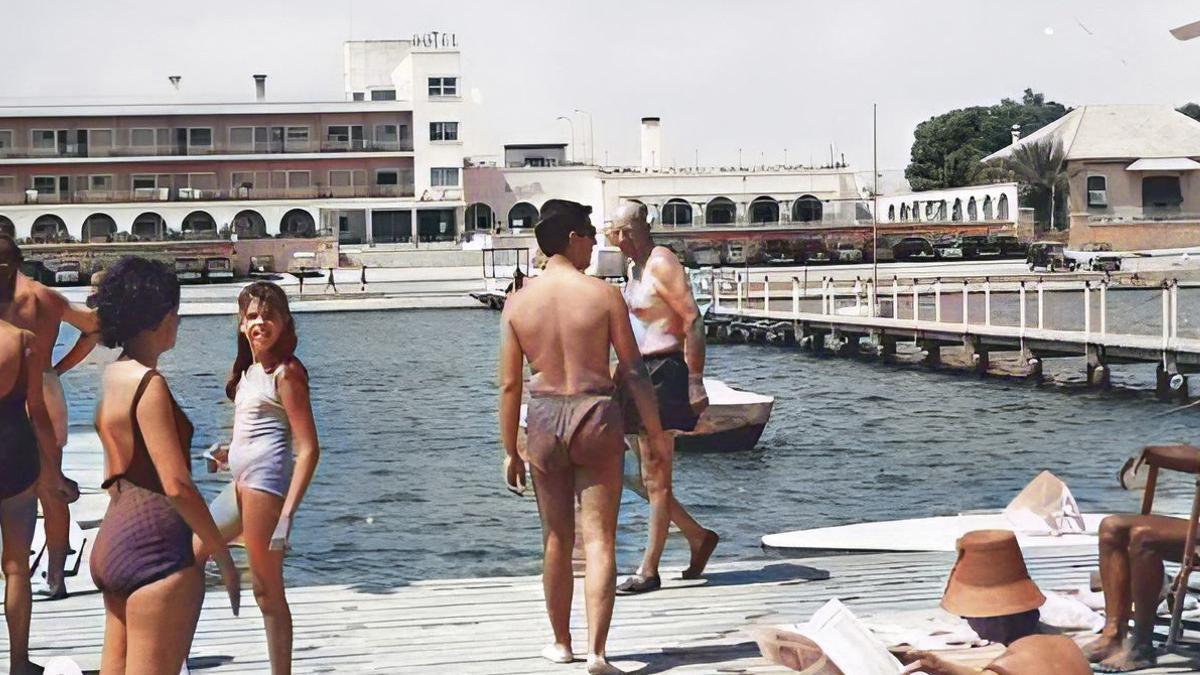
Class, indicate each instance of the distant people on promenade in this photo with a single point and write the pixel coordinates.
(563, 323)
(40, 310)
(362, 279)
(331, 283)
(1132, 550)
(144, 559)
(670, 334)
(29, 464)
(272, 420)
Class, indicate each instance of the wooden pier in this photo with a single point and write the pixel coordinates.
(841, 317)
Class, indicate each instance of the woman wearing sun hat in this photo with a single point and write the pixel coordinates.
(990, 587)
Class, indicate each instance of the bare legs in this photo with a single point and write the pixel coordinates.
(598, 487)
(260, 515)
(56, 514)
(150, 632)
(18, 517)
(657, 489)
(1132, 550)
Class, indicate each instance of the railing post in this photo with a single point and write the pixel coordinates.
(966, 301)
(1021, 294)
(858, 287)
(1087, 309)
(916, 302)
(937, 300)
(1166, 314)
(987, 301)
(871, 297)
(795, 295)
(1041, 289)
(895, 299)
(1174, 308)
(1104, 307)
(824, 295)
(739, 293)
(766, 294)
(716, 288)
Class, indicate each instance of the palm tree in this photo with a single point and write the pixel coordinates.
(1040, 165)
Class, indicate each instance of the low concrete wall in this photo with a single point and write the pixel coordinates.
(409, 258)
(94, 257)
(1135, 236)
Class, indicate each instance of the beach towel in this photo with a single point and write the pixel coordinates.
(1045, 506)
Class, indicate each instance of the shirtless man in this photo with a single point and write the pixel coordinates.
(40, 310)
(671, 339)
(563, 323)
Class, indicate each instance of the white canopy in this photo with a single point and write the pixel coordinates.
(1164, 164)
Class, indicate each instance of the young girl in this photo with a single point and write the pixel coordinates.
(273, 421)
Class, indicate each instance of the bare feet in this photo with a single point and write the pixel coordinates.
(556, 653)
(700, 556)
(1131, 657)
(599, 665)
(1102, 647)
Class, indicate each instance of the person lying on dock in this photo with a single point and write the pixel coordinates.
(990, 587)
(1132, 550)
(671, 340)
(564, 323)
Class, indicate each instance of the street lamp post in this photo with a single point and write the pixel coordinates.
(591, 137)
(572, 123)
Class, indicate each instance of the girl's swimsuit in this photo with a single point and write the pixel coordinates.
(18, 446)
(143, 538)
(260, 453)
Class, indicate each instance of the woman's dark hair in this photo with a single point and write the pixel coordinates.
(135, 295)
(271, 298)
(1006, 629)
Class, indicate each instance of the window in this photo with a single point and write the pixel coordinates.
(241, 138)
(202, 181)
(443, 131)
(8, 184)
(387, 133)
(1097, 192)
(145, 181)
(299, 179)
(443, 86)
(101, 183)
(348, 135)
(43, 139)
(357, 96)
(6, 138)
(444, 177)
(297, 138)
(141, 138)
(1161, 193)
(47, 185)
(383, 95)
(100, 139)
(387, 177)
(241, 179)
(200, 137)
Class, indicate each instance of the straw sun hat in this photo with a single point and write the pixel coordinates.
(989, 578)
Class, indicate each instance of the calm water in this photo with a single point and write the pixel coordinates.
(409, 485)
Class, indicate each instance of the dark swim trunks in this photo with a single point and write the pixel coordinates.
(18, 445)
(576, 430)
(669, 376)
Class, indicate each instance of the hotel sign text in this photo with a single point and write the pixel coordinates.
(435, 40)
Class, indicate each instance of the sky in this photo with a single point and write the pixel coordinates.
(762, 76)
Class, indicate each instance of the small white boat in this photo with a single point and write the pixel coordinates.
(924, 534)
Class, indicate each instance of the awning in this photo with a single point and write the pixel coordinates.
(1164, 164)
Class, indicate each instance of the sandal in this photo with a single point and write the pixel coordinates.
(637, 583)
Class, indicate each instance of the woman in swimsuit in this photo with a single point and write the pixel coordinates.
(144, 559)
(25, 431)
(272, 421)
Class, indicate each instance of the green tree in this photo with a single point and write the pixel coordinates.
(1192, 110)
(1041, 169)
(947, 149)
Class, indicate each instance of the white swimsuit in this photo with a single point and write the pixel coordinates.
(260, 454)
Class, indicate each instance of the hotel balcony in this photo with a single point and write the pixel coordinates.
(71, 150)
(189, 194)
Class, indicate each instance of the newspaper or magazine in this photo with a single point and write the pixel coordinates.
(850, 645)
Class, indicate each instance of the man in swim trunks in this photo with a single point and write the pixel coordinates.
(670, 334)
(564, 323)
(40, 310)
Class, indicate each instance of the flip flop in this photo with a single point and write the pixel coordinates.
(706, 550)
(637, 584)
(556, 653)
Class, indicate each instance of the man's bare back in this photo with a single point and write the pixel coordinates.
(38, 310)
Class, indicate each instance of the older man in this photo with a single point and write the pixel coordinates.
(670, 334)
(41, 310)
(563, 323)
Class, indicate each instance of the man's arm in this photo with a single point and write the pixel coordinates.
(670, 280)
(510, 375)
(81, 317)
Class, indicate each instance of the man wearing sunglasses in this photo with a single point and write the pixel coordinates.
(40, 311)
(670, 335)
(564, 323)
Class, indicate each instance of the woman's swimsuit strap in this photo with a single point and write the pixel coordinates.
(140, 471)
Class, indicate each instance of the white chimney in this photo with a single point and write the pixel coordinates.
(260, 88)
(651, 143)
(1016, 133)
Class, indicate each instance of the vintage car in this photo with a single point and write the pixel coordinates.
(845, 252)
(1011, 247)
(948, 248)
(218, 270)
(53, 272)
(1097, 256)
(913, 248)
(1050, 256)
(976, 246)
(189, 270)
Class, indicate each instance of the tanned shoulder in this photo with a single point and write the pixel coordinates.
(293, 371)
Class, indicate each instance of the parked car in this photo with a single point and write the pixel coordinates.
(263, 267)
(811, 252)
(948, 248)
(1011, 247)
(913, 248)
(1050, 256)
(976, 246)
(846, 252)
(218, 270)
(53, 272)
(1096, 255)
(189, 270)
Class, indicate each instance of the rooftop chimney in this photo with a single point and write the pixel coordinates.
(1016, 133)
(175, 80)
(260, 88)
(651, 143)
